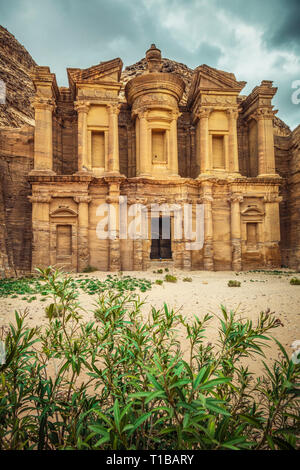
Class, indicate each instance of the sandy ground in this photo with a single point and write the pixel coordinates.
(205, 294)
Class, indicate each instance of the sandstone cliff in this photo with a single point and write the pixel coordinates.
(16, 156)
(15, 66)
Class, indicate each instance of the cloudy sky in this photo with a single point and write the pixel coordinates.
(256, 39)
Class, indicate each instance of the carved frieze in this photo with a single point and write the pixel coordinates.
(218, 100)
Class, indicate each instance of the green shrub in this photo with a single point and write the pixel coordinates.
(166, 270)
(160, 271)
(234, 284)
(159, 282)
(170, 278)
(295, 281)
(123, 382)
(92, 286)
(187, 279)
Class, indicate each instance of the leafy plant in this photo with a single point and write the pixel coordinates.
(123, 381)
(159, 282)
(295, 281)
(187, 279)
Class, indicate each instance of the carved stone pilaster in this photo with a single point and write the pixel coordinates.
(43, 136)
(266, 157)
(208, 252)
(82, 108)
(40, 230)
(235, 200)
(83, 231)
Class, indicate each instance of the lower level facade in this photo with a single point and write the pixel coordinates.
(241, 227)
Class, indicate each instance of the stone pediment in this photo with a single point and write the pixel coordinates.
(208, 79)
(63, 212)
(252, 210)
(109, 71)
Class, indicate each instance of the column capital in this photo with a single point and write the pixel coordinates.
(40, 198)
(236, 197)
(272, 198)
(114, 108)
(141, 113)
(83, 198)
(262, 113)
(175, 114)
(43, 103)
(203, 112)
(112, 199)
(233, 113)
(206, 198)
(82, 106)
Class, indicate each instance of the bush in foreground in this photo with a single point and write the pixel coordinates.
(170, 278)
(123, 382)
(234, 284)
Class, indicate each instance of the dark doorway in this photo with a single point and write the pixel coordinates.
(161, 238)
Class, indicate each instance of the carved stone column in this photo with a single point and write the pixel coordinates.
(146, 242)
(113, 165)
(203, 159)
(265, 141)
(261, 142)
(178, 232)
(272, 229)
(173, 144)
(43, 136)
(83, 231)
(208, 254)
(143, 151)
(82, 108)
(114, 228)
(40, 230)
(232, 141)
(186, 233)
(235, 201)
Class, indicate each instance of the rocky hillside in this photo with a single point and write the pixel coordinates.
(281, 128)
(15, 66)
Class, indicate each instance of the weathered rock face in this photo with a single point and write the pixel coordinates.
(16, 156)
(15, 66)
(280, 128)
(294, 202)
(16, 150)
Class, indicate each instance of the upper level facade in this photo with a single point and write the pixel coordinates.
(90, 129)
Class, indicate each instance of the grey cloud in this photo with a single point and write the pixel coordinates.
(76, 33)
(286, 31)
